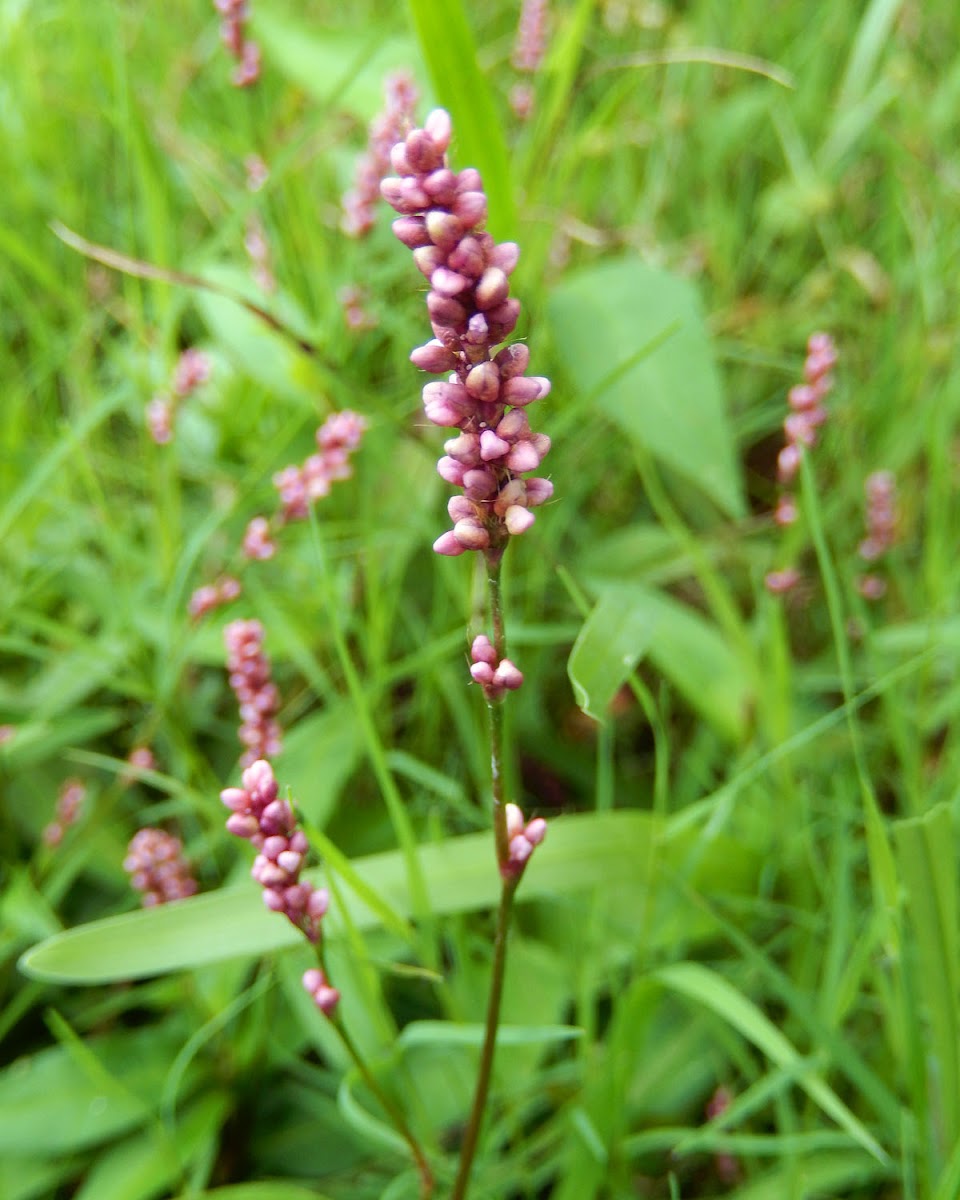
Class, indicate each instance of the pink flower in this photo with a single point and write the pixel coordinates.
(157, 868)
(256, 693)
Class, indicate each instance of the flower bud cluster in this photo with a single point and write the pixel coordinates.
(212, 596)
(528, 51)
(192, 369)
(69, 802)
(235, 14)
(157, 868)
(258, 814)
(524, 837)
(485, 396)
(256, 693)
(496, 676)
(881, 520)
(299, 487)
(386, 129)
(140, 757)
(806, 415)
(325, 997)
(258, 248)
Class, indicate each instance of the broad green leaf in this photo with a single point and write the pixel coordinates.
(580, 851)
(50, 1104)
(634, 341)
(324, 747)
(629, 622)
(926, 855)
(706, 987)
(266, 355)
(31, 1179)
(342, 67)
(446, 41)
(611, 643)
(820, 1175)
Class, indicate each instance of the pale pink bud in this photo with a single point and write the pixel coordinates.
(439, 127)
(470, 208)
(481, 650)
(471, 534)
(539, 491)
(491, 446)
(483, 382)
(518, 520)
(448, 545)
(412, 231)
(513, 360)
(433, 357)
(493, 289)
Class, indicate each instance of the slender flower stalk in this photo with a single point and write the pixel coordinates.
(881, 522)
(485, 397)
(235, 15)
(359, 203)
(269, 823)
(528, 51)
(69, 805)
(192, 369)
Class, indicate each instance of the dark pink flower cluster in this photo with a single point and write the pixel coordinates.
(258, 814)
(360, 203)
(192, 369)
(69, 802)
(495, 675)
(881, 520)
(235, 14)
(157, 868)
(807, 414)
(442, 215)
(299, 487)
(524, 837)
(256, 693)
(212, 596)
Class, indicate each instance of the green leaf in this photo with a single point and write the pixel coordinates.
(926, 855)
(630, 621)
(444, 1033)
(634, 341)
(580, 851)
(341, 67)
(611, 643)
(51, 1104)
(325, 746)
(448, 48)
(714, 992)
(267, 1190)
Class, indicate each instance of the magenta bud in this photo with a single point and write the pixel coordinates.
(444, 229)
(415, 199)
(520, 850)
(235, 798)
(439, 127)
(521, 390)
(507, 675)
(274, 900)
(483, 382)
(470, 208)
(491, 446)
(428, 259)
(465, 448)
(467, 257)
(274, 845)
(493, 289)
(391, 191)
(505, 256)
(412, 231)
(441, 186)
(515, 492)
(421, 152)
(471, 534)
(538, 491)
(542, 444)
(313, 979)
(447, 282)
(513, 360)
(447, 544)
(290, 861)
(518, 519)
(451, 471)
(535, 831)
(243, 825)
(459, 508)
(433, 357)
(441, 412)
(469, 180)
(482, 673)
(444, 310)
(514, 425)
(481, 650)
(480, 483)
(504, 317)
(258, 778)
(523, 457)
(317, 903)
(399, 160)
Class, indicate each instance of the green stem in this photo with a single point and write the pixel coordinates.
(390, 1107)
(472, 1134)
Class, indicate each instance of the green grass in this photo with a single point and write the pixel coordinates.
(776, 911)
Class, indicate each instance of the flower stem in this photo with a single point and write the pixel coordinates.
(390, 1107)
(472, 1134)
